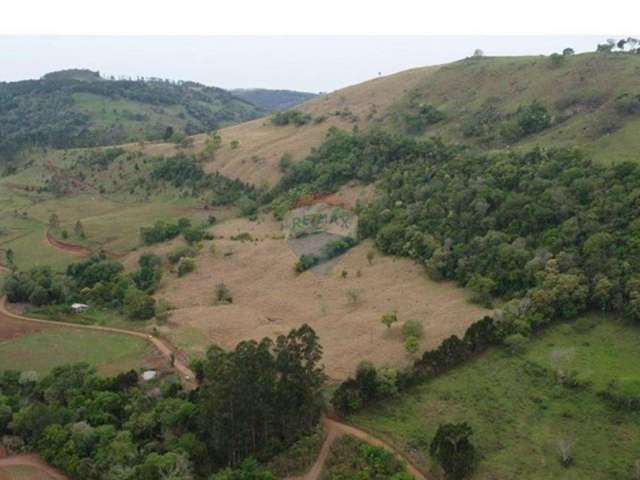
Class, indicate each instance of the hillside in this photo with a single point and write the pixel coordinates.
(272, 100)
(591, 101)
(78, 108)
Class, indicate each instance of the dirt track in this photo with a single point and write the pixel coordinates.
(334, 430)
(66, 247)
(165, 349)
(35, 461)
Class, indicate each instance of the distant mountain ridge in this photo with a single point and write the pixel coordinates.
(273, 100)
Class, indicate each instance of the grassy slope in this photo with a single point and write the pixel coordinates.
(462, 88)
(518, 417)
(109, 353)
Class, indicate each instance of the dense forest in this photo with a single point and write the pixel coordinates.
(546, 227)
(78, 108)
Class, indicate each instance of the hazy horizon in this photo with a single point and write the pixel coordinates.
(305, 63)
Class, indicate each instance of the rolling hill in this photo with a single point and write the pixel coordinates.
(79, 108)
(591, 99)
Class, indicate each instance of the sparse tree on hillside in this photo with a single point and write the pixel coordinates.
(568, 51)
(477, 53)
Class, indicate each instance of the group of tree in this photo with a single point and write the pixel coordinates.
(185, 171)
(252, 402)
(162, 230)
(97, 280)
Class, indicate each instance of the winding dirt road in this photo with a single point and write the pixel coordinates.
(333, 430)
(32, 460)
(164, 348)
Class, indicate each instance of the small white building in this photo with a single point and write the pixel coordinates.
(149, 375)
(79, 307)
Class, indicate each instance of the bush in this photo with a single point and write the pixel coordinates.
(389, 319)
(411, 344)
(295, 117)
(222, 295)
(179, 252)
(163, 311)
(305, 263)
(412, 328)
(533, 118)
(186, 265)
(516, 343)
(160, 232)
(248, 206)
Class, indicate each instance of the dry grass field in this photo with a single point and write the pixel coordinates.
(270, 299)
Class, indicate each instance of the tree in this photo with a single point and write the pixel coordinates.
(452, 449)
(10, 257)
(568, 52)
(138, 305)
(79, 230)
(478, 53)
(222, 295)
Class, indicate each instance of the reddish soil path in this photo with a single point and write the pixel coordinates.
(32, 460)
(79, 250)
(334, 430)
(66, 247)
(164, 348)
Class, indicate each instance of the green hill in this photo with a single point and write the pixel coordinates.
(273, 100)
(590, 100)
(78, 108)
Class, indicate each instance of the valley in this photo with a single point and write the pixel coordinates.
(489, 297)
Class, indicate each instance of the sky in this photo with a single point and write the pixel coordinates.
(306, 63)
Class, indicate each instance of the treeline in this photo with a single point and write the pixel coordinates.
(46, 112)
(254, 401)
(370, 384)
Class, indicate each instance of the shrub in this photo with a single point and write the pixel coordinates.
(411, 344)
(295, 117)
(305, 263)
(160, 232)
(482, 288)
(163, 310)
(516, 343)
(179, 252)
(388, 319)
(186, 265)
(248, 206)
(222, 295)
(412, 328)
(533, 118)
(193, 234)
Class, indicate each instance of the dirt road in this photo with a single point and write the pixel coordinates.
(32, 460)
(164, 348)
(66, 247)
(334, 430)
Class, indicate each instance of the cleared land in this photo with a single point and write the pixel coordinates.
(270, 299)
(110, 353)
(519, 412)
